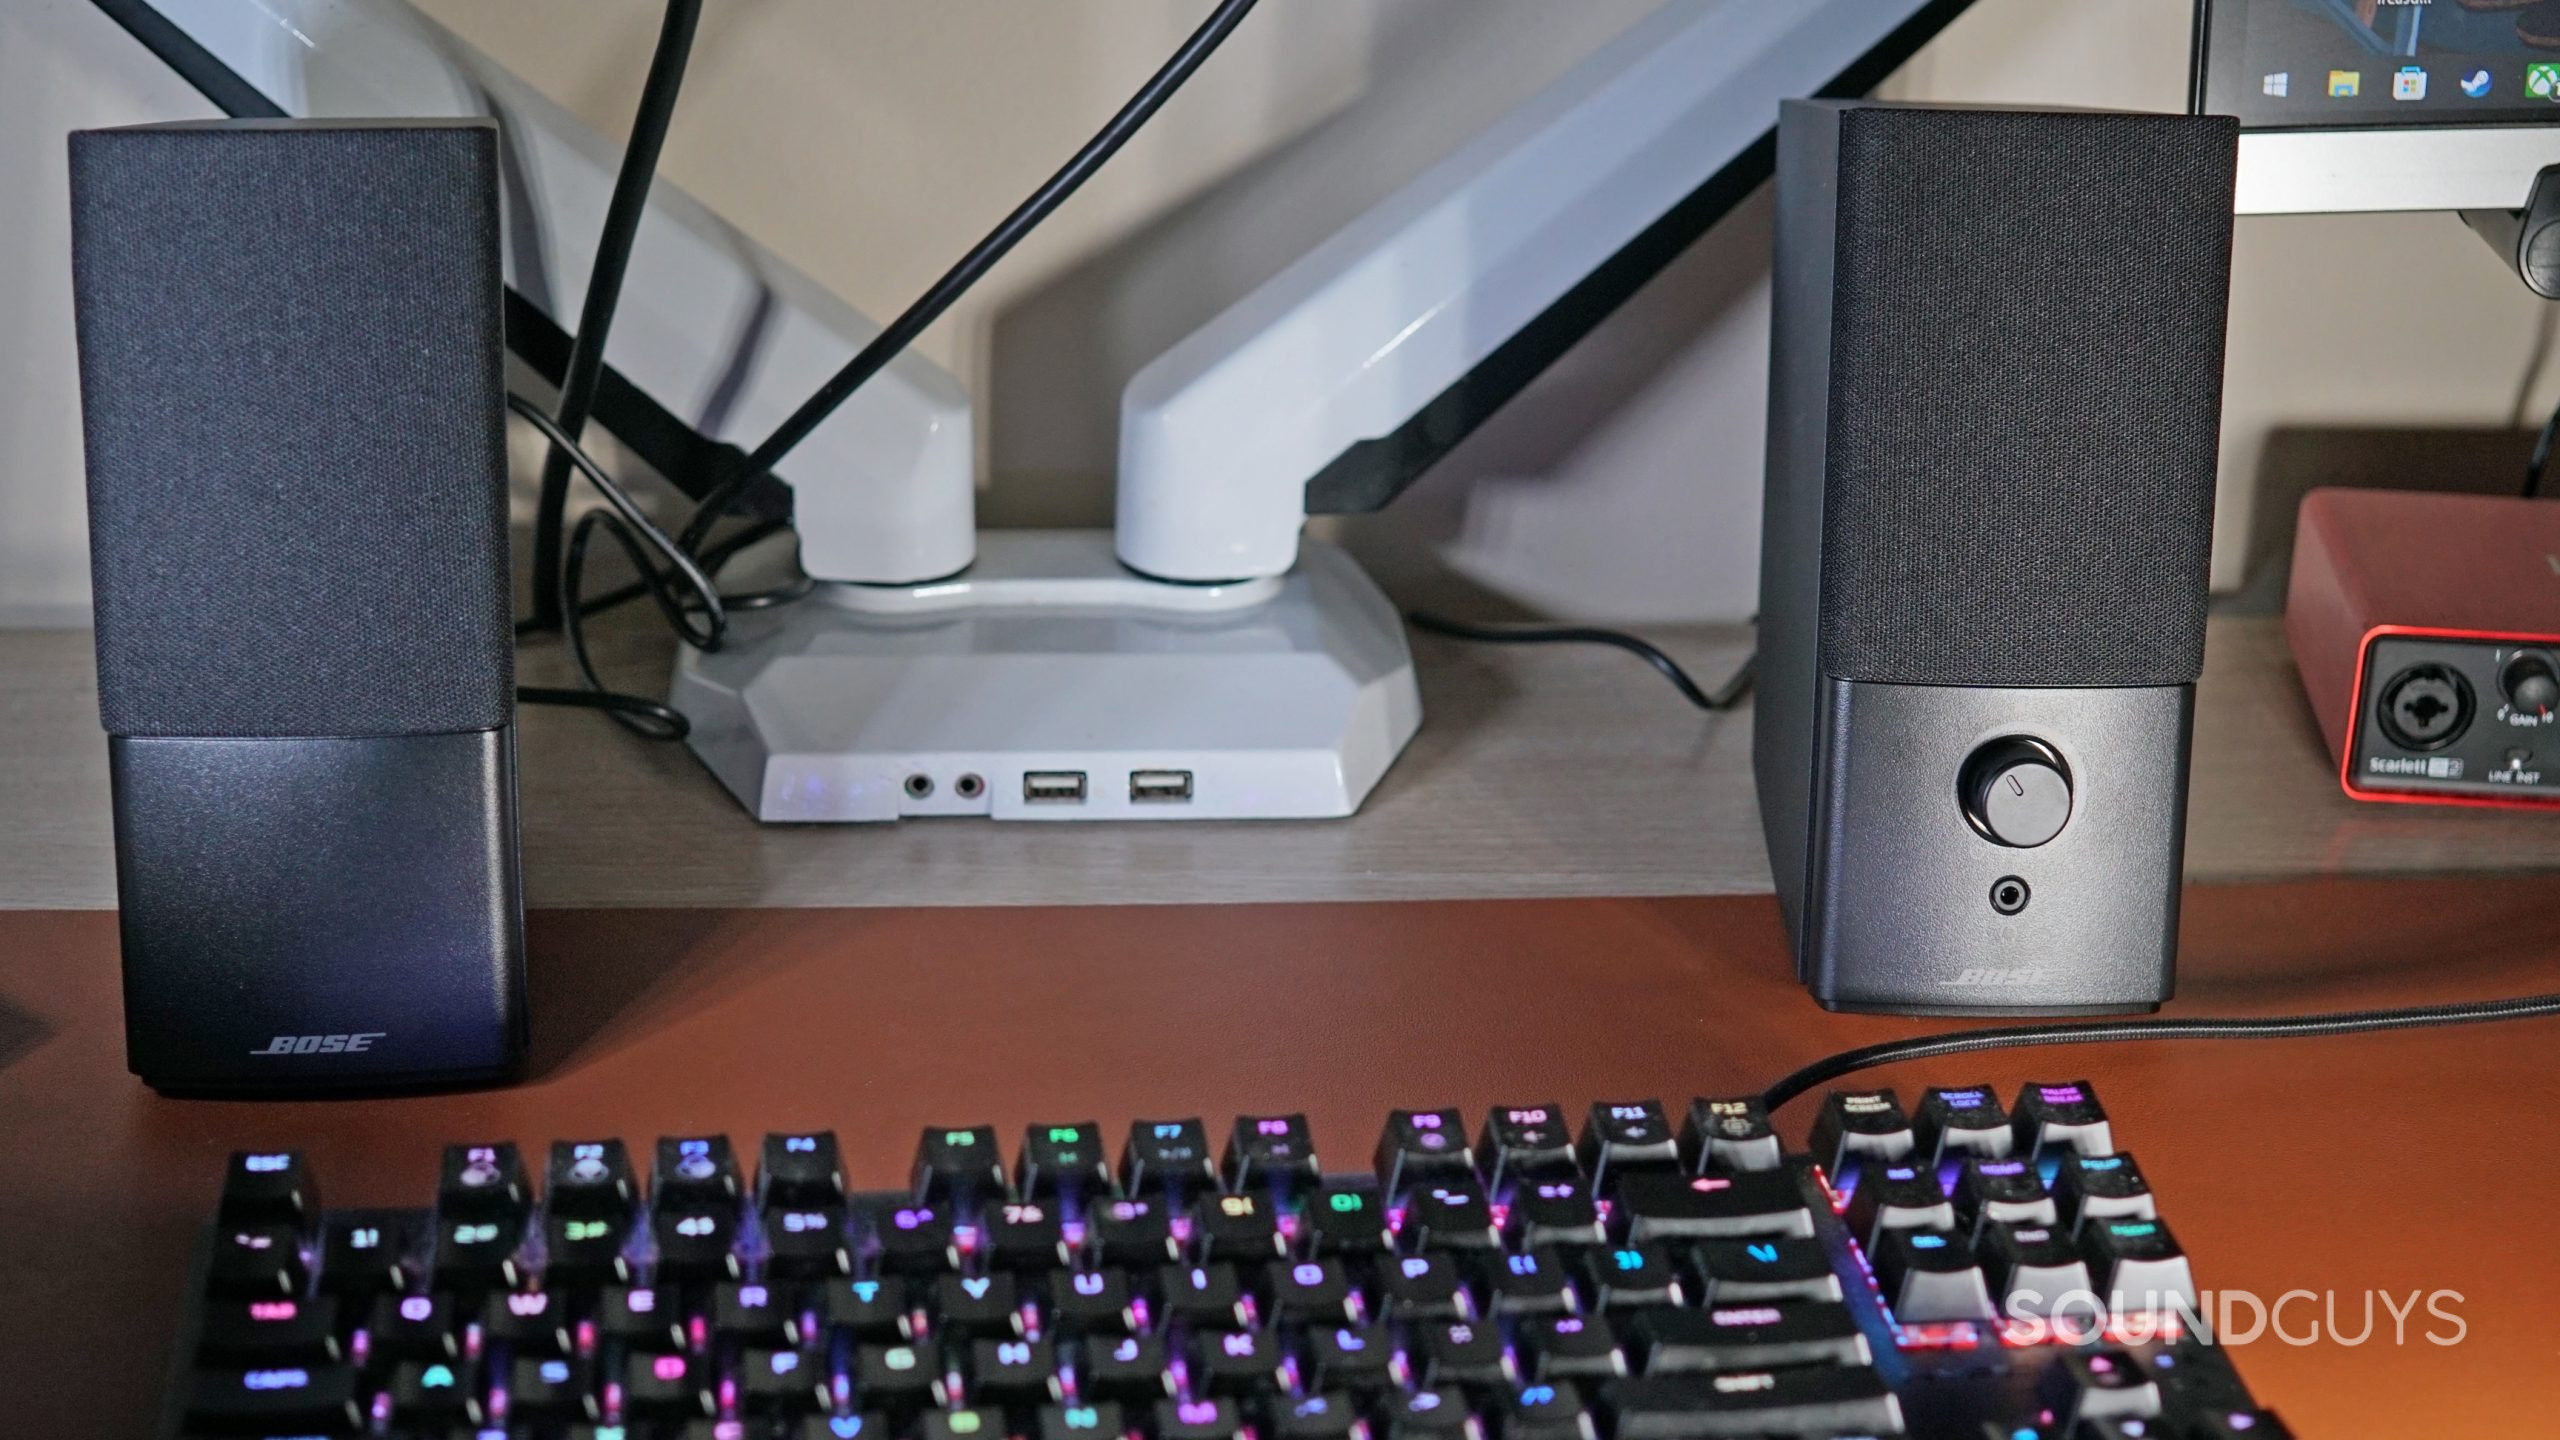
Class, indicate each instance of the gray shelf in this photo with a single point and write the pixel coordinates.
(1540, 771)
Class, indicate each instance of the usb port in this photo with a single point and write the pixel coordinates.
(1053, 787)
(1159, 787)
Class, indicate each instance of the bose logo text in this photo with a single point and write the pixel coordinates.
(321, 1044)
(1999, 975)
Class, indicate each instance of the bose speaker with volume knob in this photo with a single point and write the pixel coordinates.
(1996, 381)
(290, 350)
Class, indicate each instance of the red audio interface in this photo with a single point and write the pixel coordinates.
(2427, 630)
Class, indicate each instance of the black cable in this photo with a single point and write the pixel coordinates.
(695, 607)
(635, 713)
(2002, 1037)
(1723, 697)
(713, 557)
(585, 370)
(714, 625)
(685, 592)
(665, 722)
(2541, 455)
(902, 332)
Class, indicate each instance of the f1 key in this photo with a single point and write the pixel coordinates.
(483, 1180)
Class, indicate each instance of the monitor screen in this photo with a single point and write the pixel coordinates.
(2331, 64)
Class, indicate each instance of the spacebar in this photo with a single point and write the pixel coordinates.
(1838, 1399)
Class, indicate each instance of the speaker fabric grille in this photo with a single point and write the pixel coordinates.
(2026, 383)
(290, 364)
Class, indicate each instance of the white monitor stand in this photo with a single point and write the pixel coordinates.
(1052, 683)
(1203, 660)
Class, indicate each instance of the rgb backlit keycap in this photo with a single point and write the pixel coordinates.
(1506, 1283)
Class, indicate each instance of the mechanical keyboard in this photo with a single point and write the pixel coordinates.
(1962, 1268)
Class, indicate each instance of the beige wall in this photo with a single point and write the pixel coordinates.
(870, 141)
(2348, 321)
(61, 68)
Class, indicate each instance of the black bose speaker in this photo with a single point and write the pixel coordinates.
(290, 380)
(1996, 385)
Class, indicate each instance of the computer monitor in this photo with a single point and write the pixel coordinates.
(2354, 105)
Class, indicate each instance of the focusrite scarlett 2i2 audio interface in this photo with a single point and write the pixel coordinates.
(2427, 630)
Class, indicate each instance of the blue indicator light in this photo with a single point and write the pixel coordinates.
(1928, 1242)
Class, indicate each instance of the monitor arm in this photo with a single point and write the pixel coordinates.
(1330, 388)
(2527, 239)
(717, 339)
(1340, 380)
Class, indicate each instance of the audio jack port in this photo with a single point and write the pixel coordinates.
(2531, 685)
(2426, 707)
